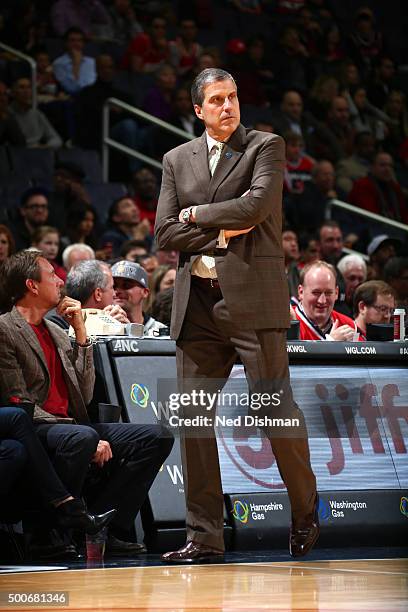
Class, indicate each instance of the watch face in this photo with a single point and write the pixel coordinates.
(186, 215)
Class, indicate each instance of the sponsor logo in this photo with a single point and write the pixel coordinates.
(404, 506)
(240, 511)
(337, 509)
(296, 348)
(125, 346)
(139, 394)
(324, 510)
(361, 350)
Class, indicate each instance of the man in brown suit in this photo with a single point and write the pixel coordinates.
(38, 365)
(221, 208)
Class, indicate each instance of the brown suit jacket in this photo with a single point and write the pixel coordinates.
(251, 270)
(24, 373)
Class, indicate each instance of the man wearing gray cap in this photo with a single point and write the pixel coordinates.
(131, 289)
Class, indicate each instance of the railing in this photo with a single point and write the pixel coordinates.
(107, 141)
(33, 65)
(369, 215)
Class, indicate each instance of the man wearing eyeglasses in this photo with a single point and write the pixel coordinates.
(374, 302)
(32, 213)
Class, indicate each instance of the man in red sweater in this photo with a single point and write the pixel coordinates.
(318, 292)
(379, 192)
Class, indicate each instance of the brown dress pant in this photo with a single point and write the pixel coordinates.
(206, 352)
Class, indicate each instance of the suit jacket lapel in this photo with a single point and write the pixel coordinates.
(231, 154)
(199, 162)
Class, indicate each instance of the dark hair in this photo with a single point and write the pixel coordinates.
(328, 223)
(368, 292)
(14, 273)
(73, 30)
(132, 244)
(395, 267)
(33, 191)
(12, 245)
(77, 214)
(206, 77)
(113, 209)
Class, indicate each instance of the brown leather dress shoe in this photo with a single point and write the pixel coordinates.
(192, 552)
(303, 537)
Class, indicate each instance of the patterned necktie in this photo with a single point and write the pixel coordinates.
(215, 156)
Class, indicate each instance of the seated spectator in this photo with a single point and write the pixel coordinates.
(331, 251)
(309, 247)
(254, 75)
(397, 128)
(290, 61)
(124, 224)
(165, 258)
(354, 271)
(124, 24)
(364, 116)
(68, 193)
(146, 191)
(380, 250)
(358, 164)
(82, 225)
(374, 302)
(185, 50)
(183, 117)
(7, 244)
(147, 51)
(396, 275)
(74, 70)
(162, 278)
(292, 118)
(86, 16)
(47, 240)
(91, 283)
(10, 132)
(23, 456)
(32, 213)
(379, 192)
(324, 89)
(37, 130)
(47, 86)
(290, 247)
(336, 141)
(307, 210)
(148, 262)
(298, 165)
(132, 249)
(74, 253)
(89, 106)
(39, 365)
(318, 292)
(158, 99)
(365, 41)
(131, 291)
(382, 82)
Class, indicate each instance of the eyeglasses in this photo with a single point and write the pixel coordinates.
(36, 206)
(386, 310)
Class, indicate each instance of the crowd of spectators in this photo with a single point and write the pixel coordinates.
(330, 81)
(328, 76)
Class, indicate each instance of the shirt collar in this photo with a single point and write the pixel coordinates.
(211, 141)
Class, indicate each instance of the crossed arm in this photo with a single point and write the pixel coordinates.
(236, 216)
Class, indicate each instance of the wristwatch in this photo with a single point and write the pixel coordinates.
(186, 214)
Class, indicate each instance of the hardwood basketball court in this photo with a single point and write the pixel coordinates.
(314, 586)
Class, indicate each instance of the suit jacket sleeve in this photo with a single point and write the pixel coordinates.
(170, 233)
(265, 193)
